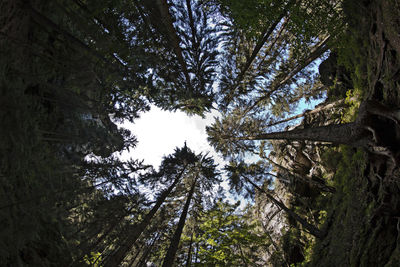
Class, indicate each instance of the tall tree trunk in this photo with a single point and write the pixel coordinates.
(309, 112)
(136, 255)
(46, 22)
(189, 257)
(265, 36)
(196, 255)
(173, 247)
(173, 37)
(100, 239)
(347, 134)
(318, 184)
(274, 244)
(145, 255)
(243, 258)
(318, 50)
(313, 230)
(116, 258)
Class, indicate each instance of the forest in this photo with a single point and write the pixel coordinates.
(322, 186)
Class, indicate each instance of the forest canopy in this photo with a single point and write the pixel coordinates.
(72, 71)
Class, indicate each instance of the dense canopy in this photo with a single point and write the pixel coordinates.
(313, 187)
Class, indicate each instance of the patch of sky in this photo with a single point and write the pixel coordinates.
(159, 132)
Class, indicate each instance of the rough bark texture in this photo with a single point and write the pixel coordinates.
(347, 133)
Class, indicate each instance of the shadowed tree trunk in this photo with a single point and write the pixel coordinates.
(172, 36)
(116, 258)
(145, 255)
(313, 230)
(189, 257)
(261, 42)
(318, 184)
(360, 133)
(318, 51)
(309, 112)
(347, 133)
(136, 255)
(173, 247)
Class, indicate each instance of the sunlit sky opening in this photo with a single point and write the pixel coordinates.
(159, 132)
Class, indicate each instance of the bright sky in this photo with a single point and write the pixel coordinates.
(159, 132)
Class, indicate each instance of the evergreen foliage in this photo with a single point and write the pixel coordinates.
(71, 71)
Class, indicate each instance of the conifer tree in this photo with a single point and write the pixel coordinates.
(173, 168)
(202, 176)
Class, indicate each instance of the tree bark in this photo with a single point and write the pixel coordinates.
(144, 257)
(347, 134)
(173, 247)
(309, 112)
(321, 186)
(242, 255)
(46, 22)
(265, 36)
(116, 258)
(189, 257)
(136, 255)
(173, 37)
(313, 230)
(274, 244)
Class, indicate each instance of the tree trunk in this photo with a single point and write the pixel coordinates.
(320, 185)
(313, 230)
(243, 258)
(144, 257)
(173, 247)
(309, 112)
(116, 258)
(100, 239)
(274, 244)
(46, 22)
(196, 255)
(136, 255)
(173, 36)
(348, 134)
(189, 257)
(265, 36)
(321, 48)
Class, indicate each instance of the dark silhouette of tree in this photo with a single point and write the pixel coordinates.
(203, 175)
(171, 252)
(172, 168)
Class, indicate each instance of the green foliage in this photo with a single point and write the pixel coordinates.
(228, 238)
(345, 211)
(93, 260)
(69, 70)
(352, 48)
